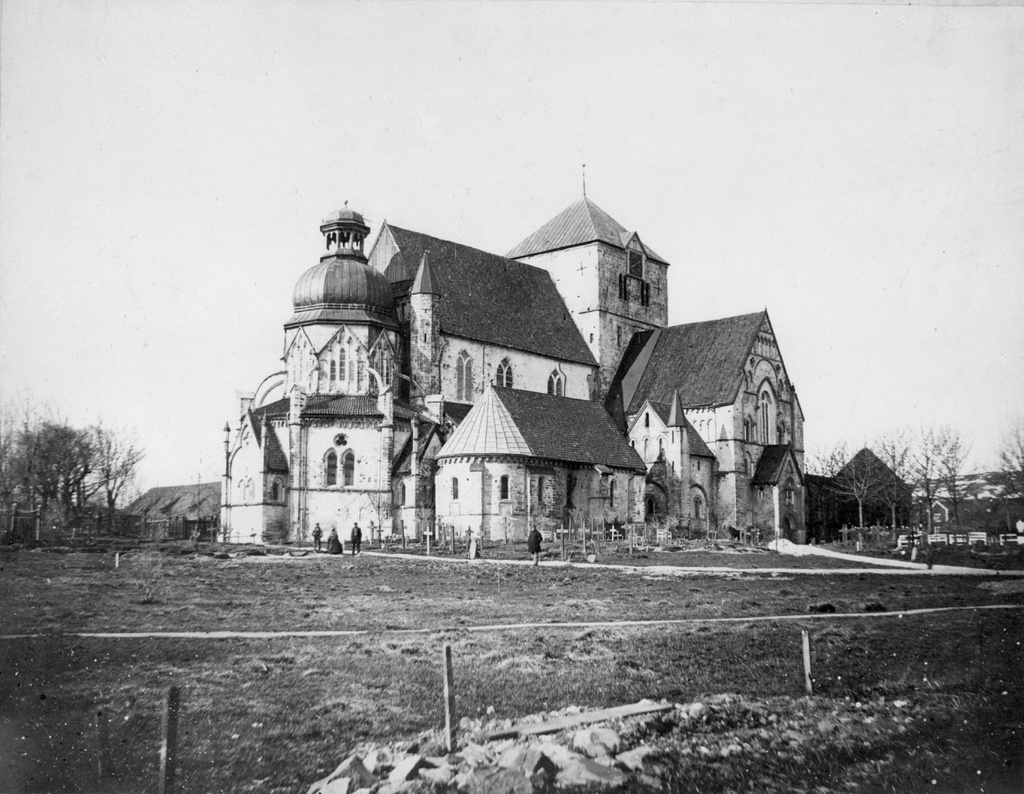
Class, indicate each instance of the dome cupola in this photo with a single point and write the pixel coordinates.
(342, 287)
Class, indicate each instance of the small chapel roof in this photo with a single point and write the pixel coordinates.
(702, 361)
(771, 465)
(580, 223)
(486, 297)
(534, 425)
(330, 405)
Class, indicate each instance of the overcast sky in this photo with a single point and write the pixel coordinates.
(856, 169)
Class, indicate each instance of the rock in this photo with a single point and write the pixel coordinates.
(692, 711)
(596, 741)
(377, 760)
(498, 781)
(351, 768)
(633, 760)
(476, 755)
(513, 757)
(406, 769)
(438, 776)
(585, 772)
(537, 762)
(558, 755)
(340, 785)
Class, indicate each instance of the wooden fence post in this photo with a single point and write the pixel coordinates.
(102, 740)
(807, 662)
(449, 699)
(169, 743)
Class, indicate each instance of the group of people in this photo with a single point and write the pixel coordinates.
(334, 544)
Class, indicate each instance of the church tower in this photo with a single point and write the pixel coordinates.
(613, 283)
(424, 337)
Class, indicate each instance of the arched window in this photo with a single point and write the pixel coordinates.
(767, 416)
(503, 486)
(697, 505)
(556, 384)
(455, 488)
(790, 492)
(647, 420)
(749, 465)
(611, 494)
(348, 467)
(540, 490)
(401, 493)
(504, 375)
(334, 370)
(331, 468)
(275, 491)
(464, 378)
(646, 445)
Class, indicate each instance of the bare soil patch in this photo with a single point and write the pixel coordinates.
(274, 715)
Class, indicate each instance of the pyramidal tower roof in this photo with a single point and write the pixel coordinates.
(580, 223)
(424, 282)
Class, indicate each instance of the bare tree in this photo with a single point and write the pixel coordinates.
(827, 461)
(859, 479)
(116, 463)
(893, 449)
(925, 455)
(1010, 474)
(952, 456)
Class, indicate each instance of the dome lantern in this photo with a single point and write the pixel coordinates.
(344, 231)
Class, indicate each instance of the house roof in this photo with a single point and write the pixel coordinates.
(580, 223)
(179, 501)
(486, 297)
(703, 361)
(529, 424)
(771, 465)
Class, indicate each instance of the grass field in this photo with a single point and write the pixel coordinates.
(274, 714)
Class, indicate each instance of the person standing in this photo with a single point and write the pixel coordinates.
(317, 534)
(357, 539)
(333, 542)
(533, 545)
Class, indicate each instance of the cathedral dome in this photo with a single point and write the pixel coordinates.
(343, 283)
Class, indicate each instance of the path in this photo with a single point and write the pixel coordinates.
(590, 624)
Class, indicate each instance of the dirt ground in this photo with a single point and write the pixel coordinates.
(275, 714)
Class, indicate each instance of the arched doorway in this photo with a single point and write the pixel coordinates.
(649, 507)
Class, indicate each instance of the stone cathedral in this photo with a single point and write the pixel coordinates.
(429, 383)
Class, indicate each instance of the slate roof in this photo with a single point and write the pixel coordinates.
(580, 223)
(770, 465)
(704, 361)
(697, 444)
(329, 405)
(529, 424)
(489, 298)
(174, 501)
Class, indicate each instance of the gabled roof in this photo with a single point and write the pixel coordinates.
(403, 460)
(486, 297)
(703, 361)
(580, 223)
(179, 501)
(697, 444)
(329, 405)
(772, 464)
(529, 424)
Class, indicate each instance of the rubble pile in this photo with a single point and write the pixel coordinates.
(647, 751)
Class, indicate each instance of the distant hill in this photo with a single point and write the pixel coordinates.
(179, 501)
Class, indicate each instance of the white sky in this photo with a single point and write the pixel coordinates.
(164, 168)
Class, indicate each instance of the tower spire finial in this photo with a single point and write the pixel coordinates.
(584, 180)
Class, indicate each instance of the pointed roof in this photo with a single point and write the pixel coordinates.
(771, 466)
(485, 297)
(580, 223)
(697, 444)
(423, 284)
(534, 425)
(675, 412)
(701, 362)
